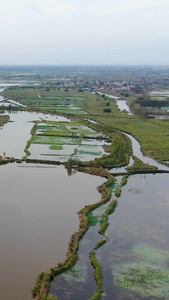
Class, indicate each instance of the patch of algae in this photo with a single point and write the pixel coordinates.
(151, 254)
(143, 278)
(77, 273)
(148, 275)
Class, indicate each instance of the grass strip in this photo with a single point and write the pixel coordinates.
(111, 208)
(98, 276)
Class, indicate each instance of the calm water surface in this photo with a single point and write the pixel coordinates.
(38, 214)
(141, 221)
(122, 105)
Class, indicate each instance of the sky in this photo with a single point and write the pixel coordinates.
(84, 32)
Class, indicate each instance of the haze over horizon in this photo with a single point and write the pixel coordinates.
(86, 32)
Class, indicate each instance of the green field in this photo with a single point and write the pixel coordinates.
(50, 100)
(152, 134)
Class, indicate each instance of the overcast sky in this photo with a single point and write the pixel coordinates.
(61, 32)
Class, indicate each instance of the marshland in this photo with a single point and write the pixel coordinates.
(84, 193)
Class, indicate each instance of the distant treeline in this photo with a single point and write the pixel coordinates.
(152, 103)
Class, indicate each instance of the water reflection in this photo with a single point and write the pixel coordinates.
(122, 105)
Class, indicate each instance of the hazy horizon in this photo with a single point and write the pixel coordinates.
(86, 32)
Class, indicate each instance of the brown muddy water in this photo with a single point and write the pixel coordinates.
(38, 215)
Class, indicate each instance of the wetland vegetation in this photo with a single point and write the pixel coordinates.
(90, 138)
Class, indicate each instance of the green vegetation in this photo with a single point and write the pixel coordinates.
(33, 131)
(78, 273)
(48, 100)
(143, 278)
(3, 120)
(50, 297)
(152, 134)
(124, 180)
(139, 166)
(151, 254)
(105, 221)
(99, 244)
(93, 220)
(86, 141)
(147, 274)
(56, 147)
(118, 192)
(58, 97)
(98, 276)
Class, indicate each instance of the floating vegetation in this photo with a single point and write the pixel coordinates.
(151, 254)
(90, 152)
(56, 147)
(93, 220)
(78, 273)
(113, 186)
(143, 278)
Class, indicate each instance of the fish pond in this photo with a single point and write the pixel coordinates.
(15, 134)
(61, 141)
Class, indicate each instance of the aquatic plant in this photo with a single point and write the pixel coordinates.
(143, 278)
(151, 254)
(56, 147)
(77, 273)
(93, 220)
